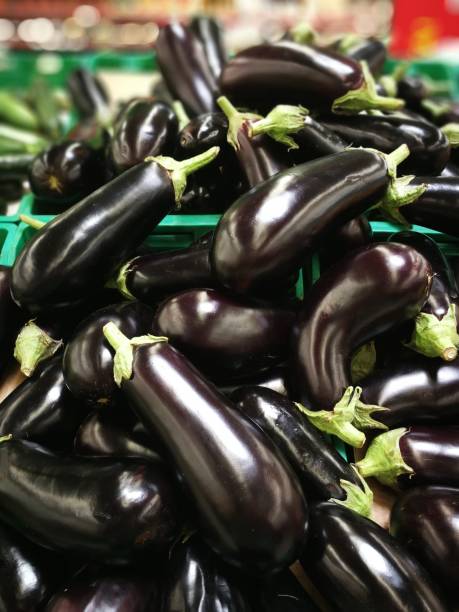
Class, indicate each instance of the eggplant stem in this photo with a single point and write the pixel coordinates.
(400, 193)
(303, 34)
(436, 109)
(120, 282)
(33, 345)
(6, 438)
(435, 337)
(282, 120)
(358, 499)
(236, 120)
(182, 117)
(30, 221)
(451, 131)
(348, 42)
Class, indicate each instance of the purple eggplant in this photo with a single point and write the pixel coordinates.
(370, 50)
(425, 520)
(367, 293)
(183, 64)
(209, 32)
(89, 95)
(94, 506)
(282, 593)
(450, 171)
(349, 237)
(88, 361)
(247, 501)
(274, 379)
(204, 131)
(11, 317)
(78, 250)
(223, 336)
(145, 128)
(358, 566)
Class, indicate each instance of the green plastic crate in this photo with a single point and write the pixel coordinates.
(8, 235)
(438, 71)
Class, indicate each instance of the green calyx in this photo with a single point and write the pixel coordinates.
(363, 362)
(303, 34)
(124, 350)
(236, 120)
(366, 97)
(436, 109)
(399, 193)
(180, 113)
(358, 499)
(389, 84)
(120, 282)
(180, 170)
(34, 345)
(435, 337)
(283, 120)
(384, 460)
(451, 131)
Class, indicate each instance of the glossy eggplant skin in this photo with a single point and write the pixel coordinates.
(11, 318)
(145, 128)
(288, 73)
(370, 50)
(385, 283)
(204, 131)
(424, 520)
(197, 581)
(450, 171)
(352, 235)
(315, 140)
(247, 501)
(259, 157)
(358, 566)
(78, 250)
(429, 147)
(413, 90)
(223, 336)
(274, 379)
(210, 34)
(437, 207)
(316, 462)
(248, 260)
(88, 94)
(88, 360)
(125, 508)
(184, 66)
(283, 593)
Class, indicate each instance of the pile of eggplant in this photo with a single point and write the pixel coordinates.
(173, 444)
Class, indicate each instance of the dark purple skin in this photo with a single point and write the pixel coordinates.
(438, 207)
(288, 73)
(425, 520)
(210, 34)
(282, 593)
(450, 170)
(202, 132)
(11, 318)
(247, 501)
(94, 506)
(352, 235)
(79, 249)
(102, 435)
(88, 359)
(371, 50)
(223, 336)
(429, 147)
(259, 242)
(413, 90)
(358, 566)
(66, 172)
(183, 64)
(88, 94)
(315, 140)
(274, 379)
(367, 293)
(145, 128)
(42, 409)
(316, 462)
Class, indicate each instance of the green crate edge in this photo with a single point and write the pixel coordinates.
(7, 250)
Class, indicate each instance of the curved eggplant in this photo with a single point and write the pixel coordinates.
(197, 581)
(247, 501)
(89, 95)
(223, 336)
(79, 250)
(145, 128)
(88, 361)
(183, 64)
(425, 520)
(97, 507)
(358, 566)
(210, 34)
(369, 292)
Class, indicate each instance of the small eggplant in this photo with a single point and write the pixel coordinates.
(210, 34)
(94, 506)
(406, 457)
(282, 593)
(183, 64)
(367, 293)
(247, 501)
(266, 235)
(89, 95)
(145, 128)
(197, 581)
(425, 520)
(223, 336)
(88, 361)
(358, 566)
(321, 470)
(79, 249)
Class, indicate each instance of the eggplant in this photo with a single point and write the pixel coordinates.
(185, 69)
(98, 507)
(290, 73)
(103, 435)
(450, 171)
(11, 318)
(145, 128)
(223, 336)
(89, 96)
(15, 167)
(259, 243)
(210, 34)
(274, 379)
(429, 147)
(370, 50)
(425, 520)
(367, 293)
(349, 237)
(88, 361)
(283, 593)
(155, 276)
(78, 250)
(247, 501)
(358, 566)
(204, 131)
(315, 140)
(323, 473)
(197, 581)
(405, 457)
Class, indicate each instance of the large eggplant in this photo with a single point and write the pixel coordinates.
(425, 520)
(247, 501)
(366, 294)
(97, 507)
(358, 566)
(209, 32)
(78, 250)
(223, 336)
